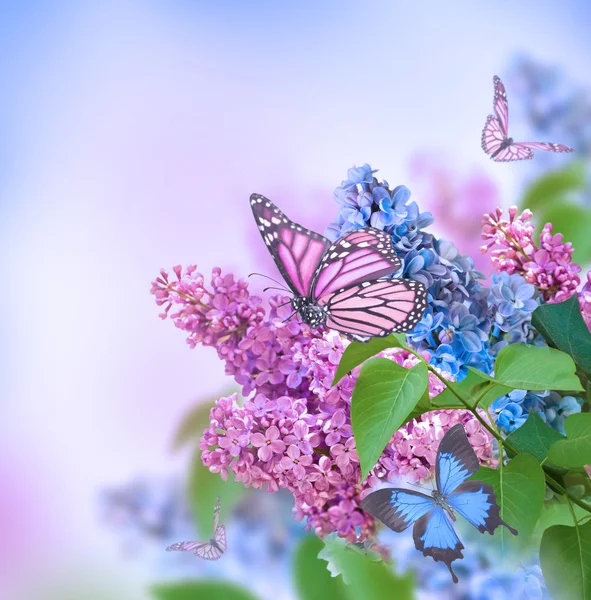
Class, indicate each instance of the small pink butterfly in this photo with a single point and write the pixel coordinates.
(211, 550)
(495, 138)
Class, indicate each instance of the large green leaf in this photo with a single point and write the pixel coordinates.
(554, 185)
(204, 488)
(365, 578)
(565, 556)
(200, 590)
(476, 386)
(575, 450)
(527, 367)
(563, 327)
(534, 437)
(384, 395)
(574, 222)
(520, 489)
(312, 579)
(356, 353)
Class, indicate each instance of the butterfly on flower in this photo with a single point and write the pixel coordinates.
(495, 139)
(433, 515)
(342, 285)
(210, 550)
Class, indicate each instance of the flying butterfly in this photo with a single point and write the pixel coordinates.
(341, 285)
(433, 515)
(495, 139)
(210, 550)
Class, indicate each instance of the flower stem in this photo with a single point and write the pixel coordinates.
(503, 443)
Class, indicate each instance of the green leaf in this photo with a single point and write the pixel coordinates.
(356, 353)
(365, 578)
(527, 367)
(545, 190)
(311, 578)
(563, 327)
(192, 425)
(520, 488)
(575, 450)
(565, 557)
(200, 590)
(384, 395)
(474, 386)
(574, 222)
(204, 487)
(534, 437)
(558, 513)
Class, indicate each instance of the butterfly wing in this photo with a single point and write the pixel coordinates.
(376, 308)
(208, 552)
(434, 536)
(185, 546)
(397, 508)
(548, 146)
(456, 460)
(477, 503)
(514, 151)
(297, 251)
(500, 104)
(216, 515)
(492, 136)
(220, 538)
(361, 255)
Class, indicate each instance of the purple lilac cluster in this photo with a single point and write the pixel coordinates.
(305, 443)
(548, 265)
(294, 429)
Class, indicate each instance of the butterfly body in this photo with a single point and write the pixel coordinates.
(495, 139)
(310, 312)
(343, 285)
(432, 516)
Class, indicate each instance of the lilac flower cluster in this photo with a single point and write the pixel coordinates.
(548, 266)
(455, 328)
(305, 443)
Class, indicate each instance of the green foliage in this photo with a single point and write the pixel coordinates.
(575, 450)
(384, 395)
(475, 387)
(204, 488)
(554, 186)
(538, 368)
(520, 489)
(565, 556)
(357, 353)
(534, 437)
(200, 590)
(563, 327)
(574, 222)
(365, 578)
(312, 580)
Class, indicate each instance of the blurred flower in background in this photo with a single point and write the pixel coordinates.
(457, 202)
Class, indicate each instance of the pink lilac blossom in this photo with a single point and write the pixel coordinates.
(548, 265)
(294, 429)
(585, 300)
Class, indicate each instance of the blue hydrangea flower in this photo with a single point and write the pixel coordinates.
(465, 327)
(559, 409)
(445, 359)
(425, 328)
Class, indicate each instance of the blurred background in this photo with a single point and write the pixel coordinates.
(131, 135)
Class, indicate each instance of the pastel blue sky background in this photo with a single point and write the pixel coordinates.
(131, 135)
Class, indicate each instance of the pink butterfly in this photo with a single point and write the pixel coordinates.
(211, 550)
(340, 285)
(495, 138)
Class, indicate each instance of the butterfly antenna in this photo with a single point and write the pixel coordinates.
(290, 316)
(267, 277)
(281, 289)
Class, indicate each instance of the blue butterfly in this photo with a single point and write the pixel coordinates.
(433, 531)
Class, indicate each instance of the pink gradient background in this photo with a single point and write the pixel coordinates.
(131, 135)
